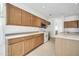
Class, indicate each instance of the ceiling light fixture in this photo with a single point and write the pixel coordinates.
(43, 7)
(75, 3)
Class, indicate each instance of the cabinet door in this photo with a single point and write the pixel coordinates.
(9, 50)
(65, 25)
(10, 14)
(73, 24)
(36, 41)
(26, 18)
(59, 47)
(27, 45)
(17, 14)
(18, 49)
(78, 23)
(13, 15)
(70, 24)
(36, 21)
(39, 40)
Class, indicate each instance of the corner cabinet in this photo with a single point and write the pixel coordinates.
(22, 46)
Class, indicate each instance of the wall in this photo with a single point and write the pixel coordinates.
(2, 26)
(71, 18)
(12, 29)
(56, 24)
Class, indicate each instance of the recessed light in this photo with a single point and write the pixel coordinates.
(43, 6)
(75, 3)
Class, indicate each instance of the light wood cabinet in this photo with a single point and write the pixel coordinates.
(78, 23)
(17, 16)
(10, 13)
(9, 50)
(39, 40)
(36, 21)
(65, 24)
(66, 47)
(26, 18)
(13, 15)
(23, 45)
(17, 49)
(36, 41)
(70, 24)
(27, 45)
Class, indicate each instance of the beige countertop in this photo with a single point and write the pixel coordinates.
(71, 36)
(22, 35)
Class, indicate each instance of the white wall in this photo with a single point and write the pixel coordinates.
(56, 24)
(12, 29)
(2, 34)
(71, 18)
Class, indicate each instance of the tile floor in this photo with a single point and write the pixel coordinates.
(46, 49)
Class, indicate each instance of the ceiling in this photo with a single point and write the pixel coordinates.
(55, 9)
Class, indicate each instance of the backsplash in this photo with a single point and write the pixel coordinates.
(71, 30)
(11, 29)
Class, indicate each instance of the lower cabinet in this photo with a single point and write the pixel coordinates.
(25, 45)
(66, 47)
(17, 49)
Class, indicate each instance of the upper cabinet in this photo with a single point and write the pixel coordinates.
(71, 24)
(17, 16)
(13, 15)
(26, 18)
(78, 23)
(36, 21)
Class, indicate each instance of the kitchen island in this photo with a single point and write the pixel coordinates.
(67, 44)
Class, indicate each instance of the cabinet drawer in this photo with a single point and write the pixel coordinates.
(15, 40)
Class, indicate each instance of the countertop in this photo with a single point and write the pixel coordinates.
(71, 36)
(21, 35)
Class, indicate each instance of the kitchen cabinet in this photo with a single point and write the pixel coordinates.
(13, 15)
(17, 49)
(58, 47)
(27, 45)
(39, 40)
(65, 24)
(17, 16)
(66, 47)
(45, 22)
(78, 23)
(36, 21)
(26, 18)
(23, 45)
(9, 50)
(70, 24)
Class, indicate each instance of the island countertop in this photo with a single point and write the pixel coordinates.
(71, 36)
(22, 35)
